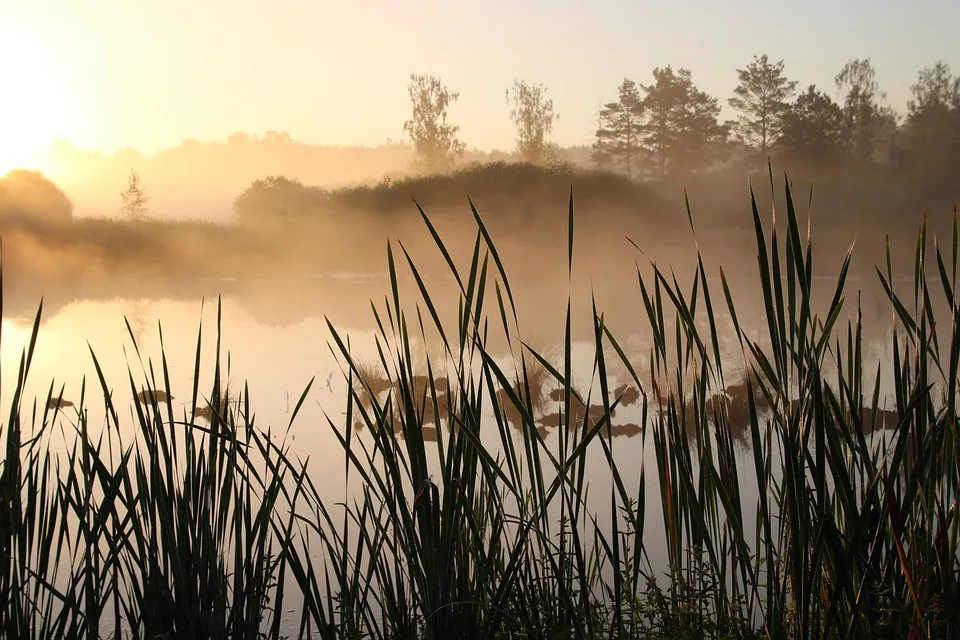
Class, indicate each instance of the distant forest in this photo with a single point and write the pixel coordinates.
(671, 127)
(667, 129)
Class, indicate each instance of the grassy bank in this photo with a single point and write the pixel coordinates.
(289, 228)
(284, 227)
(462, 520)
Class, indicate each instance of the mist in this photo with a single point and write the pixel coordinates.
(289, 238)
(490, 319)
(290, 250)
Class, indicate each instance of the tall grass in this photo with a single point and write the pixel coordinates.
(175, 530)
(495, 537)
(485, 528)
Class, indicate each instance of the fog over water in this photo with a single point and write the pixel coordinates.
(374, 228)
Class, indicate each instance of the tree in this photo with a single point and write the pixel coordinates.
(932, 130)
(700, 136)
(434, 139)
(865, 118)
(620, 136)
(133, 201)
(936, 89)
(28, 194)
(682, 129)
(599, 150)
(662, 102)
(238, 139)
(278, 137)
(275, 199)
(812, 131)
(533, 116)
(762, 100)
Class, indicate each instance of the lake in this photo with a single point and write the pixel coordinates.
(276, 340)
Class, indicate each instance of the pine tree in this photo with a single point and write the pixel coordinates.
(812, 130)
(762, 100)
(620, 136)
(682, 129)
(600, 153)
(700, 137)
(662, 101)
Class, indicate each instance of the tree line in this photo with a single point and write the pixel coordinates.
(670, 126)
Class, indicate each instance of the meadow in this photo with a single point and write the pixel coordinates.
(458, 520)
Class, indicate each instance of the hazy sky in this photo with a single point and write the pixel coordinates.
(104, 74)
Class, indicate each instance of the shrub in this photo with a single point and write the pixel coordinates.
(275, 198)
(28, 194)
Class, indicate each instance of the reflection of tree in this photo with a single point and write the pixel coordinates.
(136, 313)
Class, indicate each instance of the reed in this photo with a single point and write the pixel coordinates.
(485, 533)
(176, 530)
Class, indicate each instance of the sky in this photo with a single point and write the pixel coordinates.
(108, 74)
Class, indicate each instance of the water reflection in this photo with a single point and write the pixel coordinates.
(277, 332)
(138, 319)
(434, 397)
(223, 409)
(151, 396)
(282, 302)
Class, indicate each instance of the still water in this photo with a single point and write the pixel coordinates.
(275, 340)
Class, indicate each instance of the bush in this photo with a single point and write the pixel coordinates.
(28, 194)
(506, 186)
(274, 198)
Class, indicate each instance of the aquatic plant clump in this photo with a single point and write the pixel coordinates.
(467, 515)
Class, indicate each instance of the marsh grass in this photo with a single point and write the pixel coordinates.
(283, 232)
(849, 536)
(173, 530)
(462, 523)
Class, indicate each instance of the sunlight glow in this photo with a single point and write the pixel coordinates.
(28, 111)
(16, 337)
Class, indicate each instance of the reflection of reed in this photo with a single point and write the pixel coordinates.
(732, 409)
(628, 395)
(442, 413)
(150, 396)
(220, 409)
(593, 415)
(432, 406)
(627, 430)
(422, 383)
(372, 386)
(58, 403)
(506, 407)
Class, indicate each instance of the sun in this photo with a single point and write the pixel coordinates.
(28, 110)
(24, 134)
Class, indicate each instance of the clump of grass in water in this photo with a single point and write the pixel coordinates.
(496, 538)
